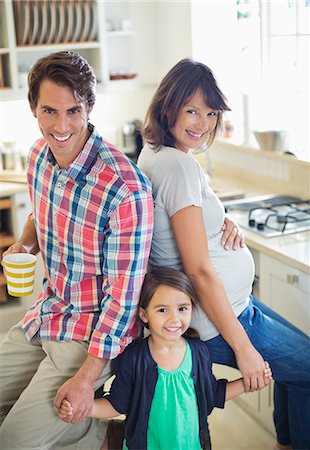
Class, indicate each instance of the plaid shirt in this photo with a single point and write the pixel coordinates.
(94, 227)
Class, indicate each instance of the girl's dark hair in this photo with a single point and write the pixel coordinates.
(175, 90)
(65, 69)
(170, 277)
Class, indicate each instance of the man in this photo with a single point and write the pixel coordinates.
(92, 221)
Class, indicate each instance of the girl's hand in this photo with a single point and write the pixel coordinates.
(232, 235)
(65, 409)
(267, 374)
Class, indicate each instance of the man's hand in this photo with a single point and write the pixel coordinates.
(80, 393)
(79, 390)
(232, 235)
(15, 248)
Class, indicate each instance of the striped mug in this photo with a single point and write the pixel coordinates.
(19, 272)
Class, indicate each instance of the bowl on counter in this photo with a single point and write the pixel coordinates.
(272, 140)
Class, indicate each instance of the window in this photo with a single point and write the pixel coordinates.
(274, 39)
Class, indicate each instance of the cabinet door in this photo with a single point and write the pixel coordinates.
(286, 290)
(21, 208)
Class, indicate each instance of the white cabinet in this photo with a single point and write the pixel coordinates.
(286, 290)
(258, 405)
(18, 207)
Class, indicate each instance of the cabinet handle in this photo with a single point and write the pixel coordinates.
(291, 278)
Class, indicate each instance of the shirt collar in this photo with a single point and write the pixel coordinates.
(85, 159)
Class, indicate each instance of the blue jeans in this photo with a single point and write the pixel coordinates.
(287, 350)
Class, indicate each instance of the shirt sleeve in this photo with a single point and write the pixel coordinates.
(175, 189)
(126, 251)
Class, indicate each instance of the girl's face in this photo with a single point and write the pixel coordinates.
(194, 123)
(168, 313)
(62, 120)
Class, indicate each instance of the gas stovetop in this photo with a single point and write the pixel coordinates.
(271, 215)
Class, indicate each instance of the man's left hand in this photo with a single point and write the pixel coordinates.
(80, 393)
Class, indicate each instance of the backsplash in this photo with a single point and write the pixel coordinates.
(269, 171)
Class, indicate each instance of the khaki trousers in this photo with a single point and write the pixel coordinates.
(30, 375)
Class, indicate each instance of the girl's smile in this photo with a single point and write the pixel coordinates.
(168, 314)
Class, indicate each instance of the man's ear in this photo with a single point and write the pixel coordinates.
(33, 110)
(143, 315)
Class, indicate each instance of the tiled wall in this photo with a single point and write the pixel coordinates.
(268, 171)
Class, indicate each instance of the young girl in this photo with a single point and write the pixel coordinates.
(164, 383)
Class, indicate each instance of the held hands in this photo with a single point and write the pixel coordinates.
(253, 368)
(65, 410)
(232, 235)
(267, 374)
(74, 400)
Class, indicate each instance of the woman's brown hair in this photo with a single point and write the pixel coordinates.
(170, 277)
(175, 90)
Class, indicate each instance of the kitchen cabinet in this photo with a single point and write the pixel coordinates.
(6, 239)
(286, 290)
(30, 30)
(14, 210)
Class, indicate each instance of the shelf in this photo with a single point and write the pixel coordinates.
(5, 203)
(2, 280)
(120, 33)
(58, 47)
(6, 239)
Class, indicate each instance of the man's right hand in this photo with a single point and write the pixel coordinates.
(17, 247)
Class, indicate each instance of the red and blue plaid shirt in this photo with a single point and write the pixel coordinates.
(94, 224)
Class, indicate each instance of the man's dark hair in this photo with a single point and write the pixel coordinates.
(65, 69)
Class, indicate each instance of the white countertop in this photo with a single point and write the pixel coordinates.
(8, 189)
(292, 249)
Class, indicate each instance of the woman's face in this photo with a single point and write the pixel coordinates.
(194, 123)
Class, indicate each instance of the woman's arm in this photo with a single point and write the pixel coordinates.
(191, 239)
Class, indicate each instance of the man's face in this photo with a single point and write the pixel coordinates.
(62, 121)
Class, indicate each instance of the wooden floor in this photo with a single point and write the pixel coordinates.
(232, 429)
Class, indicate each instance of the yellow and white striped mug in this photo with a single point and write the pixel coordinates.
(19, 272)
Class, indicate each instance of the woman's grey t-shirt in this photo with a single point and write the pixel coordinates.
(178, 181)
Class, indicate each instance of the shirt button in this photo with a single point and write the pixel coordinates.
(53, 270)
(59, 184)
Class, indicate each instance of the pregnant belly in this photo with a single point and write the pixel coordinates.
(235, 268)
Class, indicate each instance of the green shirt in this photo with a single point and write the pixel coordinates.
(173, 422)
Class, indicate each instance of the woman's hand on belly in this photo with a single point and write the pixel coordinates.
(232, 235)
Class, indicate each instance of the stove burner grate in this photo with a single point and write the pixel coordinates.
(294, 212)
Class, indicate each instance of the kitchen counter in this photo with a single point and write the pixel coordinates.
(292, 249)
(8, 189)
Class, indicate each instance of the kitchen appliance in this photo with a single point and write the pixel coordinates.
(273, 140)
(132, 139)
(271, 215)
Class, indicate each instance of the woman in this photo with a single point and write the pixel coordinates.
(186, 114)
